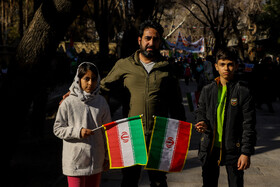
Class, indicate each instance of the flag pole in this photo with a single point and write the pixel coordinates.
(96, 128)
(125, 119)
(118, 121)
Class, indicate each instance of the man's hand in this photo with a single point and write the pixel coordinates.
(201, 126)
(64, 96)
(243, 162)
(86, 133)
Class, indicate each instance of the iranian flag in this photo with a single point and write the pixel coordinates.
(126, 142)
(169, 145)
(192, 98)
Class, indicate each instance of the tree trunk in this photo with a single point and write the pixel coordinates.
(20, 12)
(239, 38)
(47, 28)
(102, 28)
(142, 12)
(2, 22)
(27, 74)
(219, 40)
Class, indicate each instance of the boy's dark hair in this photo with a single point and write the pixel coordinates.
(150, 24)
(85, 67)
(226, 54)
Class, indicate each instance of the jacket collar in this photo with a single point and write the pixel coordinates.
(160, 62)
(229, 83)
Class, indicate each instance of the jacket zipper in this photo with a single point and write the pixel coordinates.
(147, 103)
(220, 158)
(225, 116)
(215, 129)
(212, 146)
(214, 136)
(213, 140)
(146, 112)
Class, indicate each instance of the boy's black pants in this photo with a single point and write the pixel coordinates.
(211, 172)
(131, 176)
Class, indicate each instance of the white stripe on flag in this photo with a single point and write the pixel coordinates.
(126, 144)
(169, 144)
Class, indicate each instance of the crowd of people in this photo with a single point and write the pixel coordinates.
(198, 69)
(261, 76)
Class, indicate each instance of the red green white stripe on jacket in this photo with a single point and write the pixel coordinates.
(169, 145)
(126, 142)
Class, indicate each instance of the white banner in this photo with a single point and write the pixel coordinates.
(185, 44)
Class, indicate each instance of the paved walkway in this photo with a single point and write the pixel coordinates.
(265, 167)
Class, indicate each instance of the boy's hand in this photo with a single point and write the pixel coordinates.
(201, 126)
(64, 96)
(86, 132)
(243, 162)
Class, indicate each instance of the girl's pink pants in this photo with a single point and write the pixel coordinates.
(84, 181)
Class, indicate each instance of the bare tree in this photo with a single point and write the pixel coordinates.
(212, 14)
(6, 14)
(241, 17)
(225, 17)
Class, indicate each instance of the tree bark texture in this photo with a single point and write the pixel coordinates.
(47, 28)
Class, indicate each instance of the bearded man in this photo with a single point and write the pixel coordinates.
(149, 86)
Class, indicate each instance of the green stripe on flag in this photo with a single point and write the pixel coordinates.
(138, 140)
(157, 142)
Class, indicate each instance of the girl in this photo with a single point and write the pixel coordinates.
(84, 153)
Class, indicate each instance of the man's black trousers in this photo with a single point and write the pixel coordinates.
(131, 176)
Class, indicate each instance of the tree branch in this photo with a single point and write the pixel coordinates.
(203, 12)
(193, 14)
(175, 28)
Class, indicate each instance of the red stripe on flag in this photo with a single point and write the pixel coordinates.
(114, 146)
(181, 147)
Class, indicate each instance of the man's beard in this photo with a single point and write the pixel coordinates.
(149, 54)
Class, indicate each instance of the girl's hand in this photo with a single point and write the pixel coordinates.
(86, 132)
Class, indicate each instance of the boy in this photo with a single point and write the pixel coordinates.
(226, 118)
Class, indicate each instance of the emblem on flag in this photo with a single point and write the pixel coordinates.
(169, 142)
(125, 137)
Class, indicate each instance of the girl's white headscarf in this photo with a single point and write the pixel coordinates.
(76, 89)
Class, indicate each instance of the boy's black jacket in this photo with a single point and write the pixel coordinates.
(239, 134)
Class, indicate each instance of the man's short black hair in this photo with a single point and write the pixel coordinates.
(150, 24)
(226, 54)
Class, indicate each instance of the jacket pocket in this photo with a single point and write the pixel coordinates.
(234, 148)
(83, 159)
(204, 147)
(78, 157)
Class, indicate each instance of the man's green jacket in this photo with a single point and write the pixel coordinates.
(155, 93)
